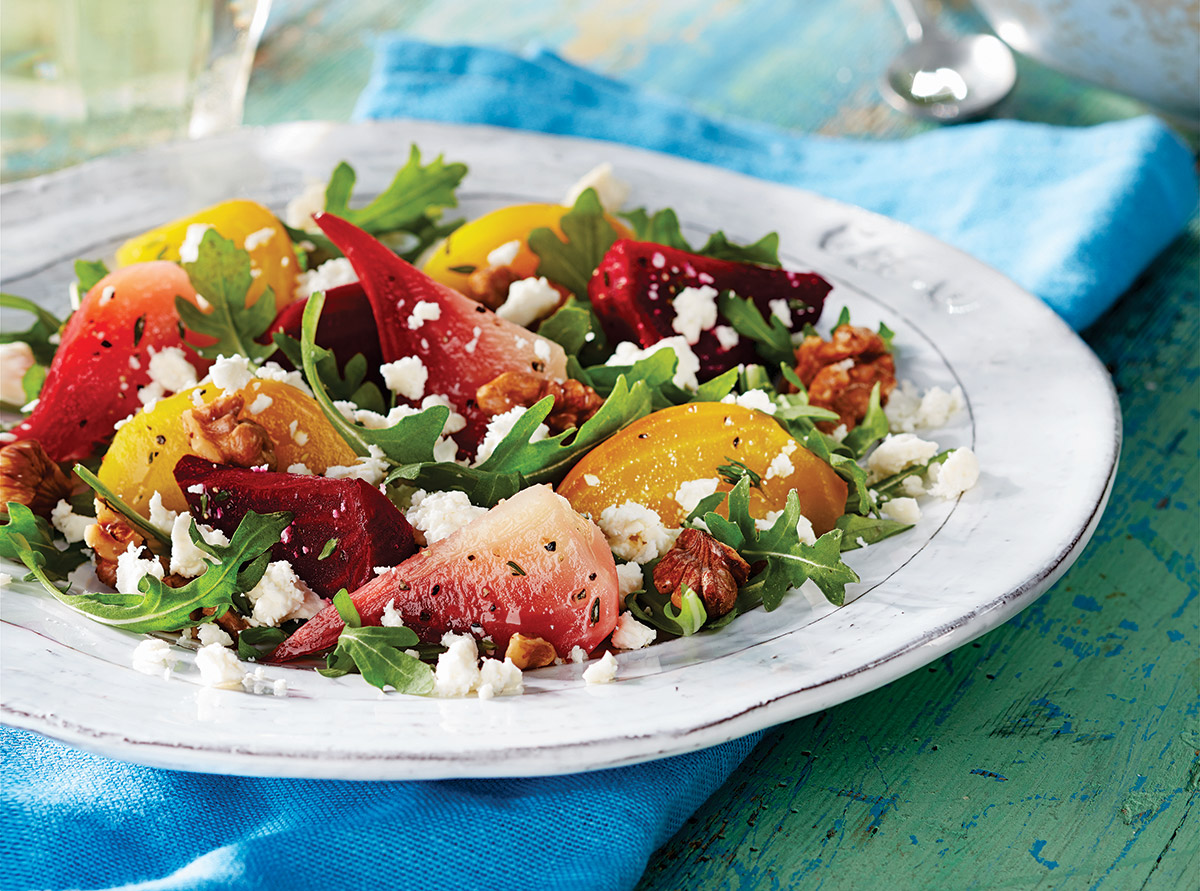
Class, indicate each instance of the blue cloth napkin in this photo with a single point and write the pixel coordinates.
(1072, 214)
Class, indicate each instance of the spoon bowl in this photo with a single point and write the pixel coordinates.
(950, 78)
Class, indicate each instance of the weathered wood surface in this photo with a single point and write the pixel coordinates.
(1061, 750)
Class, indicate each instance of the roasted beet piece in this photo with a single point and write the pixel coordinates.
(366, 528)
(633, 288)
(347, 328)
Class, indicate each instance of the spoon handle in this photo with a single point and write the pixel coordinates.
(917, 22)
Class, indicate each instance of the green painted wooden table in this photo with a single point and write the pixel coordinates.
(1061, 749)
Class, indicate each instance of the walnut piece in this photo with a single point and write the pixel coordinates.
(489, 285)
(840, 373)
(710, 568)
(529, 652)
(574, 402)
(217, 434)
(110, 537)
(29, 477)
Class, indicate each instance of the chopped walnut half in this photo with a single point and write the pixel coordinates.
(841, 372)
(574, 402)
(217, 434)
(29, 477)
(710, 568)
(529, 652)
(110, 537)
(489, 285)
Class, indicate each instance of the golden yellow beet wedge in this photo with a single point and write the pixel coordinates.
(648, 460)
(145, 450)
(250, 226)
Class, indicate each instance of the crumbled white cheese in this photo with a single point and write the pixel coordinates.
(131, 569)
(371, 468)
(187, 560)
(470, 345)
(231, 373)
(635, 532)
(504, 254)
(727, 337)
(898, 451)
(210, 633)
(578, 655)
(695, 312)
(805, 531)
(500, 678)
(902, 510)
(691, 492)
(424, 311)
(454, 422)
(528, 300)
(406, 377)
(612, 192)
(300, 210)
(259, 684)
(954, 476)
(154, 656)
(781, 465)
(260, 404)
(439, 515)
(219, 667)
(70, 524)
(756, 399)
(591, 479)
(5, 579)
(686, 368)
(602, 672)
(781, 310)
(273, 371)
(912, 486)
(630, 634)
(189, 251)
(499, 427)
(629, 578)
(280, 595)
(908, 410)
(258, 238)
(330, 274)
(839, 433)
(170, 369)
(161, 517)
(16, 358)
(391, 617)
(457, 672)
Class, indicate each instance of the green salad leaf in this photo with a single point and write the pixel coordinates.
(873, 427)
(88, 274)
(858, 531)
(349, 383)
(221, 275)
(158, 607)
(377, 653)
(136, 520)
(259, 641)
(39, 335)
(571, 260)
(772, 339)
(662, 227)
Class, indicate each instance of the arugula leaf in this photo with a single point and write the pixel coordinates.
(32, 380)
(159, 607)
(771, 337)
(886, 334)
(662, 227)
(789, 562)
(858, 531)
(843, 317)
(89, 273)
(412, 202)
(136, 520)
(409, 441)
(221, 274)
(256, 642)
(348, 384)
(735, 471)
(836, 455)
(655, 609)
(718, 388)
(26, 532)
(569, 327)
(39, 334)
(483, 488)
(570, 261)
(377, 653)
(871, 429)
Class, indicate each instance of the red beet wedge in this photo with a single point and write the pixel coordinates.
(347, 327)
(366, 529)
(633, 288)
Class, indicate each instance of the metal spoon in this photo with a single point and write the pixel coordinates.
(946, 78)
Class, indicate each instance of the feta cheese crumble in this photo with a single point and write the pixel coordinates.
(439, 515)
(219, 667)
(16, 358)
(280, 596)
(406, 377)
(189, 251)
(756, 399)
(686, 367)
(330, 274)
(153, 656)
(258, 238)
(612, 192)
(70, 524)
(727, 337)
(424, 311)
(499, 427)
(188, 560)
(604, 671)
(528, 300)
(691, 492)
(458, 672)
(211, 633)
(630, 634)
(629, 578)
(131, 569)
(695, 312)
(954, 476)
(898, 451)
(781, 310)
(231, 373)
(371, 468)
(902, 510)
(635, 532)
(504, 254)
(908, 410)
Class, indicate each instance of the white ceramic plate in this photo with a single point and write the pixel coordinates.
(1042, 417)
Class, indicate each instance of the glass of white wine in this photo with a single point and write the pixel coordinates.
(81, 78)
